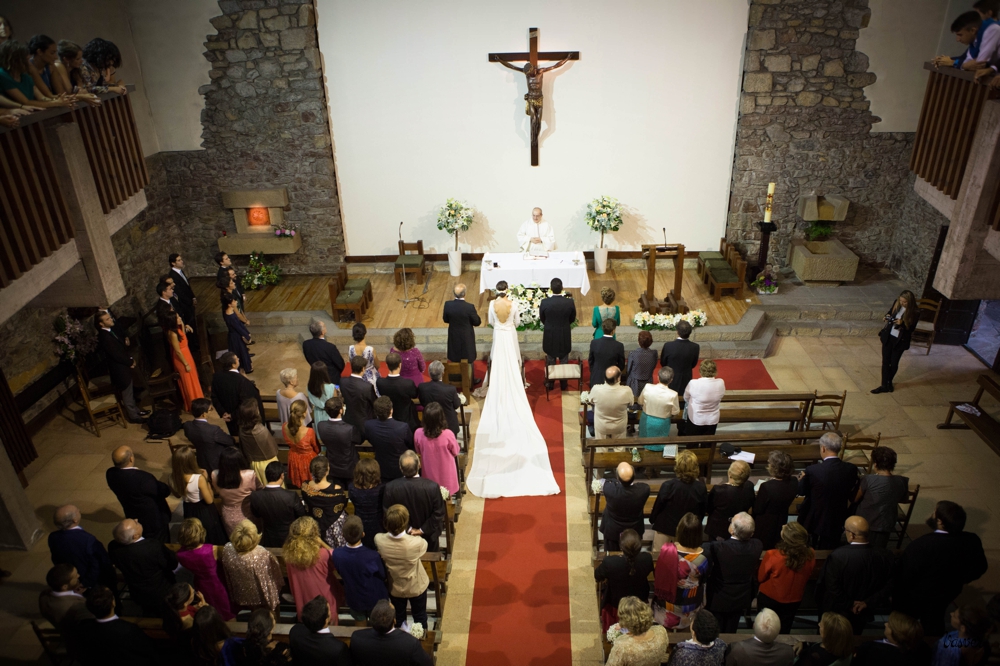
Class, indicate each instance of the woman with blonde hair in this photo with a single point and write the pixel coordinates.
(646, 642)
(685, 493)
(290, 393)
(202, 560)
(900, 322)
(784, 572)
(253, 575)
(401, 553)
(301, 441)
(191, 484)
(307, 560)
(835, 646)
(728, 499)
(606, 311)
(702, 398)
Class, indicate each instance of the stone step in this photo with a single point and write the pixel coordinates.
(832, 328)
(819, 312)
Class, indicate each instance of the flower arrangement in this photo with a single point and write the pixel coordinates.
(766, 281)
(260, 274)
(417, 630)
(665, 322)
(604, 214)
(73, 339)
(597, 486)
(615, 632)
(445, 495)
(454, 217)
(527, 300)
(287, 230)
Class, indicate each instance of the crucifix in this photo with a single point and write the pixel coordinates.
(531, 70)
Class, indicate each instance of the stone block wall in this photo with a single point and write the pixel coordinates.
(918, 225)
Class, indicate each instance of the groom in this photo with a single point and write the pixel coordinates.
(557, 314)
(462, 320)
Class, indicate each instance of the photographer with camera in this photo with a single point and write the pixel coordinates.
(895, 335)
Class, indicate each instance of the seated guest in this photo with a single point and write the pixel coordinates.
(257, 647)
(73, 545)
(411, 361)
(659, 405)
(61, 602)
(880, 494)
(704, 648)
(390, 438)
(359, 396)
(681, 591)
(828, 488)
(17, 83)
(239, 334)
(302, 444)
(319, 349)
(733, 563)
(774, 498)
(438, 448)
(253, 576)
(142, 496)
(182, 602)
(365, 351)
(326, 502)
(319, 389)
(702, 398)
(606, 311)
(784, 572)
(256, 440)
(641, 363)
(101, 59)
(763, 649)
(307, 560)
(728, 499)
(382, 644)
(903, 645)
(401, 390)
(605, 353)
(624, 504)
(233, 482)
(362, 571)
(422, 499)
(856, 578)
(290, 379)
(274, 507)
(107, 640)
(311, 643)
(340, 439)
(209, 636)
(401, 551)
(969, 642)
(146, 564)
(202, 560)
(835, 646)
(445, 395)
(366, 491)
(611, 402)
(625, 575)
(230, 389)
(645, 641)
(191, 484)
(184, 365)
(685, 493)
(208, 440)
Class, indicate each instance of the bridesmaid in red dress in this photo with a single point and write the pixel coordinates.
(183, 361)
(301, 442)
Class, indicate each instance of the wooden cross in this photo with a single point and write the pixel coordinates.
(533, 100)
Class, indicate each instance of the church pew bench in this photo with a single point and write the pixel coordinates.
(720, 279)
(703, 257)
(984, 425)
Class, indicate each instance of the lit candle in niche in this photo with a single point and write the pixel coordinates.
(770, 199)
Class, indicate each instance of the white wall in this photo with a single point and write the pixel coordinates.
(947, 44)
(418, 115)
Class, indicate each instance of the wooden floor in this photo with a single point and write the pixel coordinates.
(309, 292)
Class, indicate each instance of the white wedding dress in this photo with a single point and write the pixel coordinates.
(510, 458)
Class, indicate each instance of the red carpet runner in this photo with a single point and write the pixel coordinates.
(520, 606)
(743, 375)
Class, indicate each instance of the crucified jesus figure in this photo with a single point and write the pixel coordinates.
(533, 100)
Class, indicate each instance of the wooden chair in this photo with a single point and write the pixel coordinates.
(410, 260)
(355, 284)
(729, 277)
(103, 408)
(459, 375)
(903, 516)
(923, 335)
(704, 257)
(982, 424)
(347, 300)
(52, 645)
(830, 412)
(861, 443)
(163, 386)
(563, 372)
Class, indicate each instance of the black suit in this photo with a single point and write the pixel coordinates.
(148, 568)
(229, 390)
(462, 320)
(83, 550)
(445, 395)
(315, 649)
(143, 498)
(557, 314)
(209, 441)
(390, 439)
(185, 297)
(733, 568)
(828, 488)
(119, 369)
(318, 349)
(623, 511)
(115, 643)
(340, 439)
(681, 356)
(855, 572)
(422, 498)
(604, 353)
(770, 509)
(359, 402)
(401, 391)
(370, 648)
(673, 500)
(752, 652)
(724, 502)
(276, 508)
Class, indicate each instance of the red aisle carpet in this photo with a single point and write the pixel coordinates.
(743, 375)
(520, 606)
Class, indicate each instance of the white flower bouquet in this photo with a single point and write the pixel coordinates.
(585, 398)
(527, 300)
(597, 486)
(445, 494)
(454, 217)
(615, 632)
(665, 322)
(417, 630)
(604, 214)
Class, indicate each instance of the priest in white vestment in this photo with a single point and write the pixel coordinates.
(536, 234)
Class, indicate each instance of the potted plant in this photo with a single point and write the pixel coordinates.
(604, 214)
(454, 217)
(766, 281)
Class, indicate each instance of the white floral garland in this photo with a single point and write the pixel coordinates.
(665, 322)
(527, 300)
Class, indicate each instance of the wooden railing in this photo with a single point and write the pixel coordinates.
(953, 103)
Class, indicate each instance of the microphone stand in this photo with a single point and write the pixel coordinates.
(405, 300)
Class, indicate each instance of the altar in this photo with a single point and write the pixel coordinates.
(515, 268)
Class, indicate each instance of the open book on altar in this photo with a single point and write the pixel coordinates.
(536, 251)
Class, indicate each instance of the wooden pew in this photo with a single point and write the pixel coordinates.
(983, 425)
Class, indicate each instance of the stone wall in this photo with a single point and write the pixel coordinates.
(918, 225)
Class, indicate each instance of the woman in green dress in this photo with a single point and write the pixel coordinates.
(606, 311)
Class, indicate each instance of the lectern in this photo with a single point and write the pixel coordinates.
(674, 303)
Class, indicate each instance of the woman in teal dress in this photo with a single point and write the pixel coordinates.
(320, 389)
(659, 404)
(606, 311)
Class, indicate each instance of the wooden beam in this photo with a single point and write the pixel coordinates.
(542, 55)
(533, 46)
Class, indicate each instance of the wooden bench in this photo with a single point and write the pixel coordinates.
(704, 257)
(729, 273)
(983, 425)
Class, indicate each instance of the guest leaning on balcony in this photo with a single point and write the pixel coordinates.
(18, 85)
(101, 60)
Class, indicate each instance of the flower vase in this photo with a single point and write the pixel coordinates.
(455, 262)
(601, 260)
(767, 293)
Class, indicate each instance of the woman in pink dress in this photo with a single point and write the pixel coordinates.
(202, 560)
(308, 561)
(412, 364)
(233, 482)
(438, 448)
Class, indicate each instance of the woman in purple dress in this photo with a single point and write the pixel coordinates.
(202, 560)
(412, 363)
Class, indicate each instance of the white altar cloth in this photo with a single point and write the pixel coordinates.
(516, 269)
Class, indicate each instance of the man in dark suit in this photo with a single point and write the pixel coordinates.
(733, 565)
(310, 645)
(856, 578)
(934, 568)
(209, 440)
(110, 641)
(142, 496)
(73, 546)
(400, 390)
(185, 294)
(421, 497)
(462, 320)
(604, 353)
(120, 364)
(318, 349)
(381, 645)
(224, 263)
(624, 506)
(445, 395)
(275, 507)
(390, 439)
(230, 389)
(146, 564)
(340, 439)
(828, 487)
(359, 396)
(557, 314)
(763, 649)
(681, 356)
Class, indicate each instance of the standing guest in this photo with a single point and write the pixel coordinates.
(835, 646)
(681, 356)
(390, 438)
(624, 506)
(401, 550)
(605, 353)
(146, 564)
(704, 648)
(209, 636)
(903, 645)
(209, 440)
(256, 440)
(320, 389)
(101, 60)
(659, 405)
(184, 365)
(326, 501)
(401, 390)
(340, 439)
(319, 349)
(253, 575)
(625, 575)
(645, 643)
(828, 488)
(230, 389)
(640, 364)
(606, 311)
(311, 643)
(120, 364)
(202, 560)
(227, 285)
(233, 482)
(784, 572)
(185, 294)
(734, 563)
(611, 402)
(61, 603)
(462, 320)
(241, 298)
(362, 570)
(258, 647)
(685, 493)
(17, 83)
(900, 322)
(557, 314)
(382, 644)
(422, 499)
(190, 483)
(728, 499)
(274, 507)
(224, 263)
(307, 560)
(42, 52)
(763, 650)
(141, 495)
(74, 546)
(359, 396)
(438, 449)
(702, 398)
(290, 393)
(168, 301)
(879, 496)
(366, 491)
(969, 642)
(361, 348)
(774, 498)
(66, 72)
(108, 640)
(239, 334)
(411, 361)
(445, 395)
(182, 602)
(302, 445)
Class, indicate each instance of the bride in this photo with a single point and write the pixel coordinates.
(510, 458)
